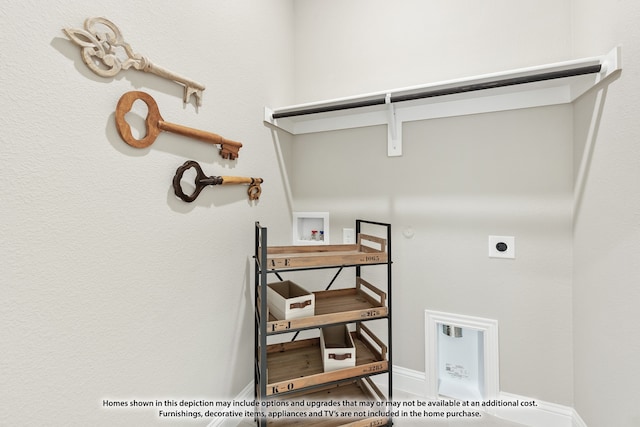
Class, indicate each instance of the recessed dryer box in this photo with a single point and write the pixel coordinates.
(310, 228)
(287, 300)
(338, 350)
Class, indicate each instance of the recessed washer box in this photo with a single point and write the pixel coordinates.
(310, 228)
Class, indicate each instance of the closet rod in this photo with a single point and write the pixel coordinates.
(572, 72)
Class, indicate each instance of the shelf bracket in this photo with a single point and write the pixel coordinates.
(394, 129)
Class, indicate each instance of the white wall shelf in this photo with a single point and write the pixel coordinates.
(550, 84)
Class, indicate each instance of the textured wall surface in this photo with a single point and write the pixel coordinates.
(352, 47)
(459, 179)
(112, 288)
(607, 222)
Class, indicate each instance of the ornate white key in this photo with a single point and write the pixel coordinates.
(110, 49)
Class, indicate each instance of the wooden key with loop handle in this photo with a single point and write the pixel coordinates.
(156, 124)
(201, 181)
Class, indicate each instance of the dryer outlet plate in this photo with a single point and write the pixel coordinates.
(502, 247)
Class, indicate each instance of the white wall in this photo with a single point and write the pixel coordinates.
(459, 179)
(607, 223)
(359, 46)
(111, 286)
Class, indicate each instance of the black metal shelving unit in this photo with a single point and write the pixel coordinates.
(262, 272)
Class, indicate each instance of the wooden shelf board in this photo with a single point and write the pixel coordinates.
(298, 364)
(283, 257)
(334, 306)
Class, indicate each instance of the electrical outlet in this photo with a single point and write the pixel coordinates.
(348, 236)
(502, 247)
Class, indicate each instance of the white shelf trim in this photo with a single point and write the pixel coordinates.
(507, 90)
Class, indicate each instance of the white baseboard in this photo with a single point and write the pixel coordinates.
(245, 395)
(546, 414)
(577, 420)
(411, 382)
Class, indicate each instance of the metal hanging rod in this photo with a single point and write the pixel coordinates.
(391, 98)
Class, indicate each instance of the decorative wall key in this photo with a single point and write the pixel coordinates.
(201, 181)
(110, 49)
(155, 124)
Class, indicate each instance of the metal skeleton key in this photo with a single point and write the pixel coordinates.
(201, 181)
(156, 124)
(109, 47)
